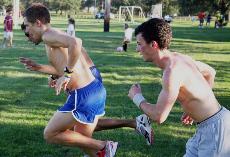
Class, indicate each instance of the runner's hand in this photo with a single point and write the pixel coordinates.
(61, 83)
(30, 64)
(186, 119)
(51, 82)
(135, 89)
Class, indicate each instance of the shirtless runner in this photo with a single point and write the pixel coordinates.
(188, 81)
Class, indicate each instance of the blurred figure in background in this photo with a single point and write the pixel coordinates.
(127, 37)
(208, 19)
(201, 17)
(8, 29)
(71, 27)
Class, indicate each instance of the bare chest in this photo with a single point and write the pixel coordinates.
(57, 58)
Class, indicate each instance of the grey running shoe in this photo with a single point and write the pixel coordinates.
(144, 128)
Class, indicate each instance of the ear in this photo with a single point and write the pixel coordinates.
(154, 44)
(38, 23)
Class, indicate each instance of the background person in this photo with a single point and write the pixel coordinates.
(208, 19)
(201, 17)
(128, 34)
(71, 27)
(8, 29)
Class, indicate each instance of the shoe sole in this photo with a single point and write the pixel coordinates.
(117, 145)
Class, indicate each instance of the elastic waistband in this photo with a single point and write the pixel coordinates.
(92, 67)
(213, 118)
(87, 87)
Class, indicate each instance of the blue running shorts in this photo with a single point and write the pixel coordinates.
(86, 103)
(96, 73)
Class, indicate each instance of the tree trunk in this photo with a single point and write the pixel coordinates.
(107, 15)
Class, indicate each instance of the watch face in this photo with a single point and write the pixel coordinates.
(66, 70)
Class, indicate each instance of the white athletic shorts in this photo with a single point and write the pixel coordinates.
(8, 35)
(212, 137)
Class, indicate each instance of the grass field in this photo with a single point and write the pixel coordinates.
(26, 103)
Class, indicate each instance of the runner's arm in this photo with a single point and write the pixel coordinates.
(207, 71)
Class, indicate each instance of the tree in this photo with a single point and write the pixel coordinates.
(5, 3)
(107, 15)
(27, 3)
(222, 5)
(188, 7)
(194, 6)
(73, 6)
(65, 5)
(87, 4)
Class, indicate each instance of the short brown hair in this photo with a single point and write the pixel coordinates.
(37, 11)
(8, 10)
(155, 30)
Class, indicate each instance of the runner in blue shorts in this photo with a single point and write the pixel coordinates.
(87, 95)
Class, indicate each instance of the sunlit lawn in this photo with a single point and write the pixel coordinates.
(26, 103)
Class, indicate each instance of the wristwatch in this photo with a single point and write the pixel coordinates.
(53, 77)
(67, 72)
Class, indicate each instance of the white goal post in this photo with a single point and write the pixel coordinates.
(130, 11)
(156, 11)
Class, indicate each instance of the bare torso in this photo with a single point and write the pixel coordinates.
(57, 57)
(195, 94)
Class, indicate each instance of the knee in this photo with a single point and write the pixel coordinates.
(48, 135)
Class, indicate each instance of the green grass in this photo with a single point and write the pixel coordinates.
(26, 103)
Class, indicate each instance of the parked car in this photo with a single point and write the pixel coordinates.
(100, 15)
(168, 18)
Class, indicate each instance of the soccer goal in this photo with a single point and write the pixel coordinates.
(128, 11)
(156, 11)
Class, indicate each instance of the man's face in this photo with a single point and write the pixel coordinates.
(144, 48)
(33, 32)
(10, 13)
